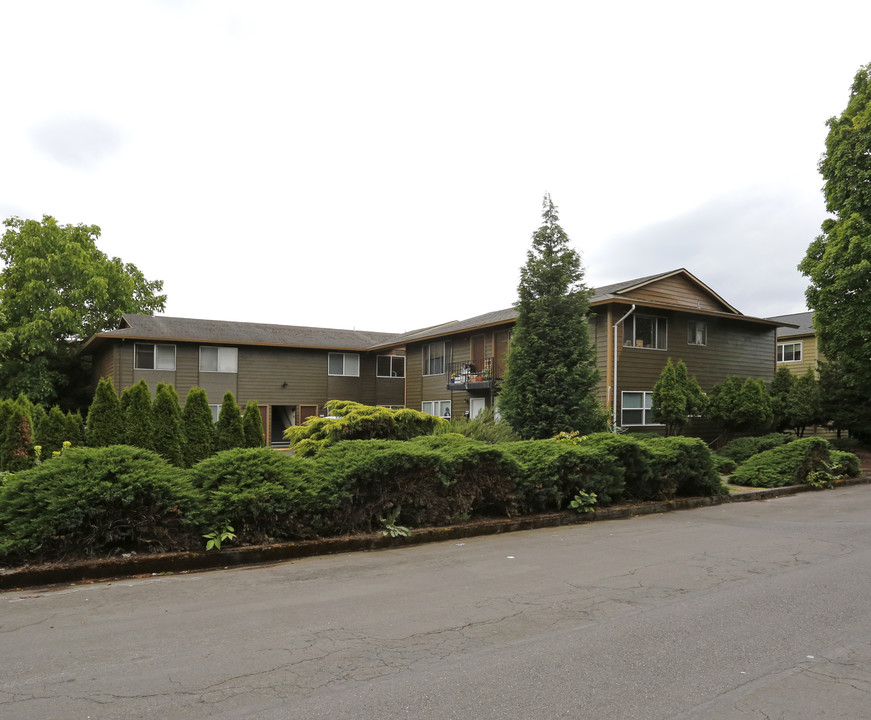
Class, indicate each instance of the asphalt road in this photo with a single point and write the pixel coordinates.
(751, 610)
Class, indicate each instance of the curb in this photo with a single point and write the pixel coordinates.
(172, 563)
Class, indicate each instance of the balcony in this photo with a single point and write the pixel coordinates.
(479, 375)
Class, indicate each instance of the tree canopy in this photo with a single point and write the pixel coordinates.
(551, 377)
(58, 288)
(838, 262)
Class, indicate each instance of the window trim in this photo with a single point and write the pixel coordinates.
(645, 411)
(781, 351)
(440, 403)
(426, 358)
(633, 339)
(344, 372)
(392, 373)
(154, 356)
(692, 333)
(219, 348)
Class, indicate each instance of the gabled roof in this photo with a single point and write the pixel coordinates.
(625, 290)
(795, 324)
(173, 329)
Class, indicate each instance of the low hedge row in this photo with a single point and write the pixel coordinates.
(808, 460)
(102, 500)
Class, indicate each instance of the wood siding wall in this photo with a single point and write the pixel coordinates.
(810, 356)
(677, 290)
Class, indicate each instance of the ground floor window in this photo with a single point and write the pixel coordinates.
(637, 408)
(216, 411)
(439, 408)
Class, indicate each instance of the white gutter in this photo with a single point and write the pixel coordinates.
(614, 401)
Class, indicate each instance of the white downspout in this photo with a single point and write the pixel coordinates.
(614, 400)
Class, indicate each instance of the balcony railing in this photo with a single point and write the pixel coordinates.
(478, 375)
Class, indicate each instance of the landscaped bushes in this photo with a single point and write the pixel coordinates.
(789, 464)
(680, 466)
(91, 501)
(742, 449)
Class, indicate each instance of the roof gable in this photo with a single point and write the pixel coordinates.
(677, 288)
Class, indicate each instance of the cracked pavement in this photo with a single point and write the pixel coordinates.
(750, 610)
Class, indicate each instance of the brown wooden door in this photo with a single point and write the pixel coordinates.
(501, 339)
(306, 411)
(476, 352)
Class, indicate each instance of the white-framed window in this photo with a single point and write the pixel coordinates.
(789, 352)
(439, 408)
(153, 356)
(434, 358)
(390, 366)
(392, 407)
(697, 332)
(344, 364)
(646, 331)
(219, 359)
(637, 408)
(216, 411)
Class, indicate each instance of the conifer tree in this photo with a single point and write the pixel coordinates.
(167, 425)
(781, 386)
(52, 432)
(16, 448)
(676, 397)
(75, 428)
(551, 378)
(199, 428)
(136, 405)
(228, 431)
(105, 425)
(252, 425)
(804, 404)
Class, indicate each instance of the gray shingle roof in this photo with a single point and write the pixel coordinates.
(804, 320)
(158, 327)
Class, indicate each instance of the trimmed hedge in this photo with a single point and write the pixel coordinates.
(681, 466)
(744, 448)
(788, 464)
(94, 500)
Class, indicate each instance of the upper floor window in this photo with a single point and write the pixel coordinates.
(697, 332)
(344, 364)
(789, 352)
(151, 356)
(390, 366)
(434, 358)
(646, 331)
(219, 359)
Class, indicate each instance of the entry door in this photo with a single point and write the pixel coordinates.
(476, 406)
(476, 352)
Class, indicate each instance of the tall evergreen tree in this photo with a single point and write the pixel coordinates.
(16, 445)
(804, 404)
(75, 428)
(167, 425)
(781, 387)
(199, 428)
(228, 431)
(136, 405)
(838, 262)
(105, 425)
(252, 425)
(551, 377)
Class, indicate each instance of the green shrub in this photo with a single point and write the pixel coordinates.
(485, 427)
(138, 416)
(166, 428)
(724, 465)
(52, 432)
(844, 463)
(252, 425)
(229, 433)
(16, 440)
(634, 458)
(258, 491)
(681, 466)
(788, 464)
(553, 472)
(198, 427)
(744, 448)
(353, 421)
(105, 425)
(93, 500)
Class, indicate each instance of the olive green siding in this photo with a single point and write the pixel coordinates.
(810, 356)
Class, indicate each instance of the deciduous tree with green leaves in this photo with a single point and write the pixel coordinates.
(739, 406)
(56, 290)
(550, 382)
(838, 262)
(676, 397)
(804, 404)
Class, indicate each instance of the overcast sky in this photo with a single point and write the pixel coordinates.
(381, 165)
